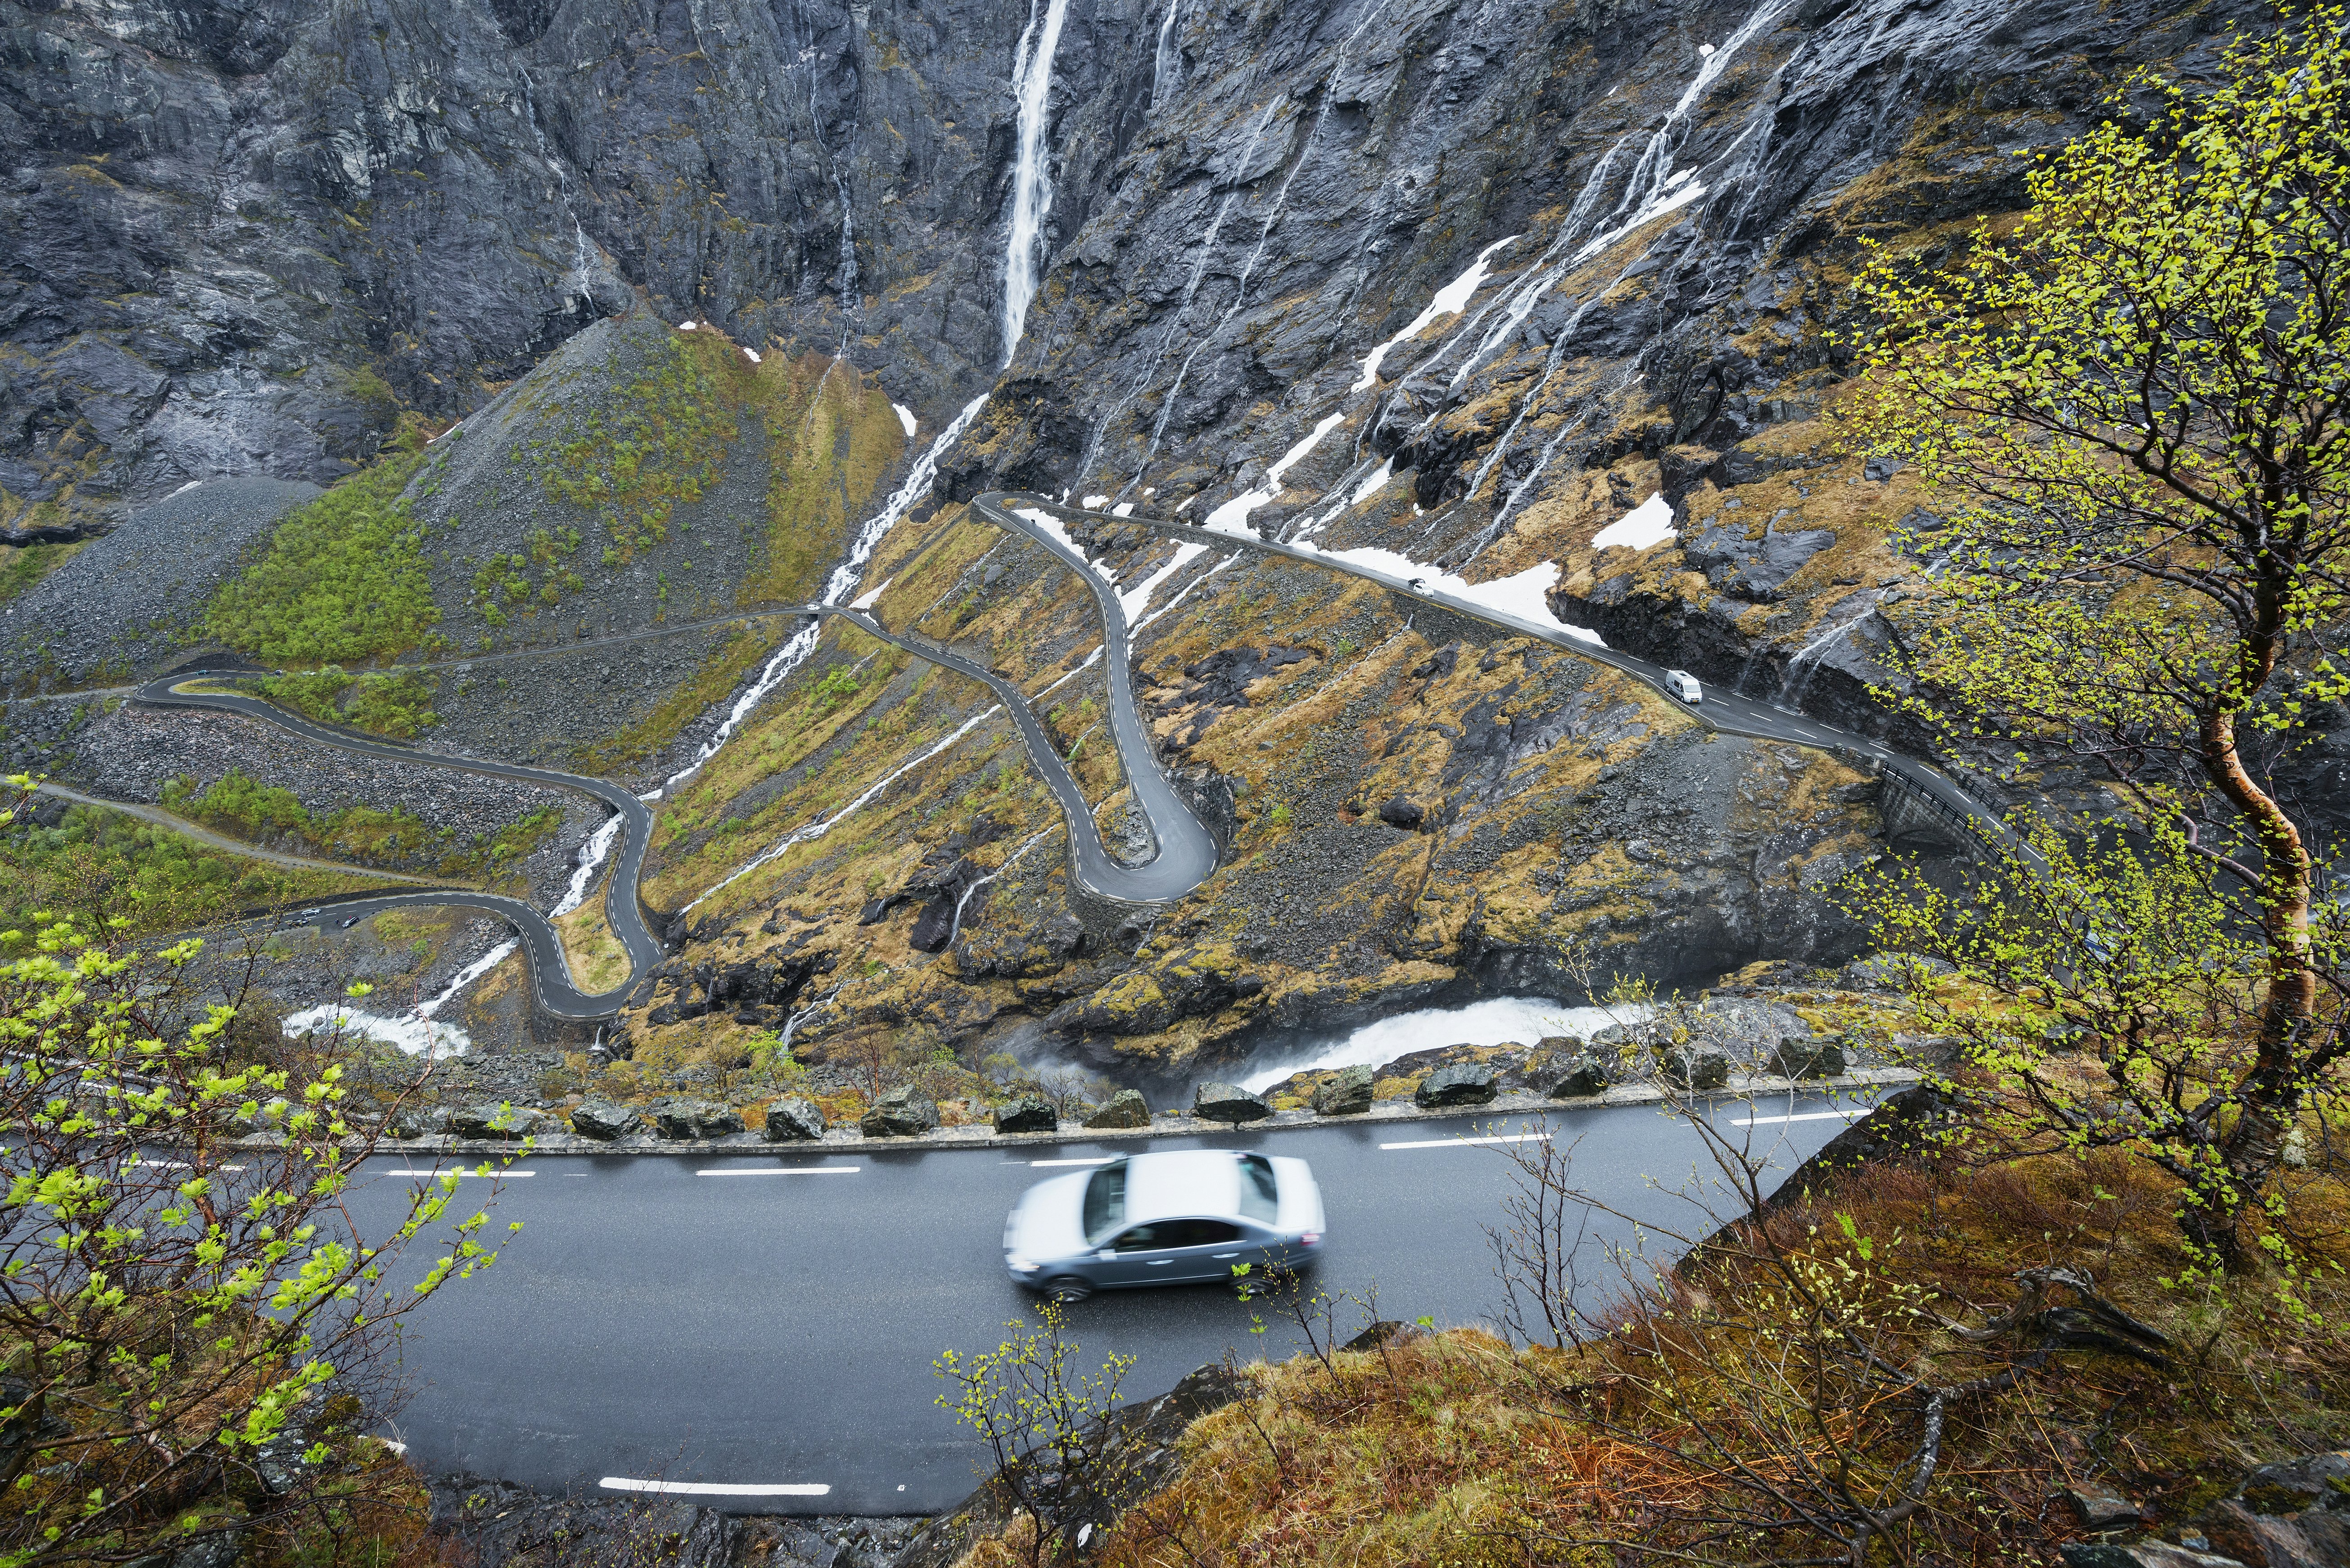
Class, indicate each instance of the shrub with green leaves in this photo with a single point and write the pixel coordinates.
(343, 577)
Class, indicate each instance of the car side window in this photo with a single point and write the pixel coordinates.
(1260, 1193)
(1105, 1202)
(1206, 1232)
(1142, 1239)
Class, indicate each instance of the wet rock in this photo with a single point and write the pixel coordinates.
(1466, 1084)
(903, 1112)
(1753, 568)
(1028, 1114)
(603, 1119)
(1401, 812)
(1578, 1076)
(1891, 971)
(1228, 1103)
(792, 1119)
(2141, 1554)
(1127, 1109)
(1346, 1094)
(1694, 1069)
(679, 1120)
(417, 1121)
(494, 1121)
(2102, 1511)
(1809, 1056)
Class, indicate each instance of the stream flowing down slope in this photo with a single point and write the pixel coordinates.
(1186, 853)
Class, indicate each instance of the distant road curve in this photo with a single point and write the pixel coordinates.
(1724, 711)
(550, 976)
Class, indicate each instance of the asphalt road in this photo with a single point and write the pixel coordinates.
(759, 1334)
(550, 975)
(1721, 710)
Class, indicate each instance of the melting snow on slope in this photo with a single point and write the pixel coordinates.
(1646, 525)
(905, 418)
(1450, 300)
(1373, 485)
(1139, 599)
(871, 596)
(1232, 518)
(1520, 596)
(752, 355)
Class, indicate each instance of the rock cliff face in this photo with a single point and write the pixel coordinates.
(1544, 291)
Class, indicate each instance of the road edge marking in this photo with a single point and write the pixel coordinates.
(718, 1489)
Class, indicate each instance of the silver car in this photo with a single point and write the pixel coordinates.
(1163, 1219)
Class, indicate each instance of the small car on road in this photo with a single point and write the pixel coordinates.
(1684, 686)
(1165, 1217)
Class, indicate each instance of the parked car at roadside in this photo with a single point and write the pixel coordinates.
(1161, 1218)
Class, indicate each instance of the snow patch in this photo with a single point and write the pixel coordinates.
(1094, 503)
(685, 326)
(1138, 599)
(752, 355)
(1373, 485)
(905, 418)
(868, 599)
(1521, 597)
(1644, 527)
(1448, 301)
(1232, 518)
(185, 488)
(1123, 509)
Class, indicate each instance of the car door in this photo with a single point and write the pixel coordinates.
(1138, 1255)
(1205, 1249)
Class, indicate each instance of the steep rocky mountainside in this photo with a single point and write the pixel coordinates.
(1544, 292)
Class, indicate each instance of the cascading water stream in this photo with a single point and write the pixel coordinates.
(1165, 60)
(1205, 251)
(1032, 176)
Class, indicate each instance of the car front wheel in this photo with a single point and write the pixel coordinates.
(1068, 1288)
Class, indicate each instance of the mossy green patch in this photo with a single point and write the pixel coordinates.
(384, 704)
(22, 566)
(98, 861)
(665, 444)
(342, 578)
(241, 805)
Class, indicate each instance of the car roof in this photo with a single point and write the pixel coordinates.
(1178, 1183)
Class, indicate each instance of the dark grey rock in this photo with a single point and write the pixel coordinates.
(417, 1121)
(1401, 812)
(494, 1121)
(1464, 1084)
(1127, 1109)
(1753, 568)
(2102, 1511)
(902, 1112)
(2139, 1555)
(1348, 1094)
(792, 1119)
(1577, 1075)
(603, 1119)
(1692, 1068)
(1809, 1056)
(1028, 1114)
(684, 1120)
(1228, 1103)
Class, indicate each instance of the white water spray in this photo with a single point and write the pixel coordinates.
(1032, 176)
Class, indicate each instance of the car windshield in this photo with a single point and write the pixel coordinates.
(1105, 1209)
(1260, 1197)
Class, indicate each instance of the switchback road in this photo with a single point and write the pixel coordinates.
(757, 1331)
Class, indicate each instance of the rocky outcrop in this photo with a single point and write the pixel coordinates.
(901, 1112)
(1464, 1083)
(1026, 1114)
(1124, 1109)
(684, 1120)
(603, 1119)
(792, 1119)
(1348, 1092)
(1228, 1103)
(508, 1122)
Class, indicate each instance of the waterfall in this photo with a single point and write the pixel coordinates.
(837, 589)
(1032, 178)
(1204, 250)
(1165, 60)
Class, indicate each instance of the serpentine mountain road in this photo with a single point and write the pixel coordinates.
(1186, 853)
(550, 975)
(756, 1331)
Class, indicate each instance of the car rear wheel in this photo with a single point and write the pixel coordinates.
(1068, 1288)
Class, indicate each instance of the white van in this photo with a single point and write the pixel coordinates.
(1683, 685)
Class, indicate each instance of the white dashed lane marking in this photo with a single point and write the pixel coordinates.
(1466, 1142)
(1843, 1116)
(790, 1171)
(1098, 1160)
(717, 1489)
